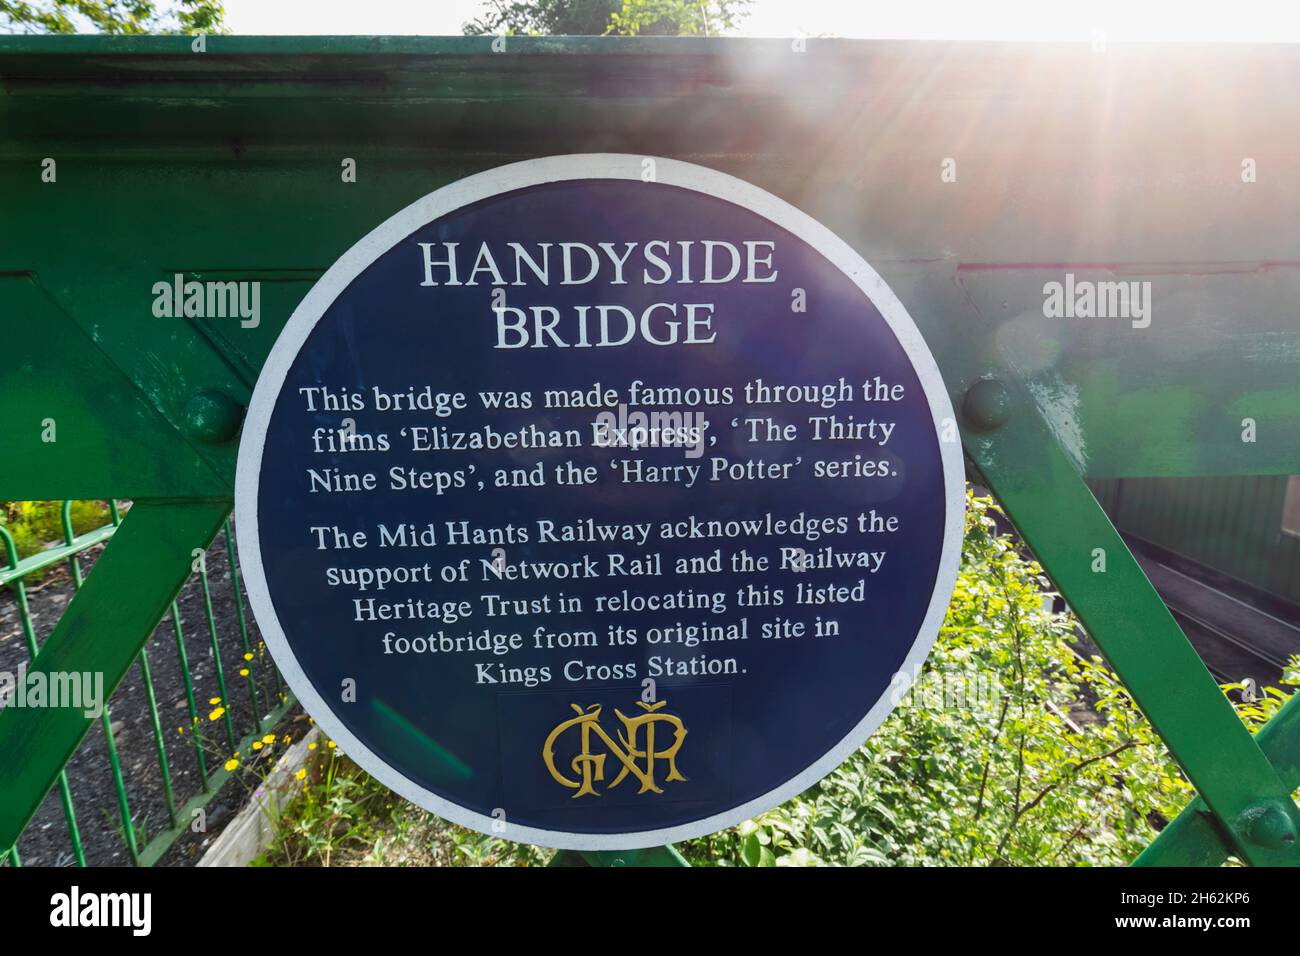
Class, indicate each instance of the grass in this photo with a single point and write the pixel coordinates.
(344, 817)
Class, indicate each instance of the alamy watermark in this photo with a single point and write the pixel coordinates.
(620, 428)
(75, 690)
(937, 689)
(1086, 299)
(209, 300)
(85, 908)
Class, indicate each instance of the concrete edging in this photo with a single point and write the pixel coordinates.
(253, 827)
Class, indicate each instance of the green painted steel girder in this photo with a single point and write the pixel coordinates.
(1127, 165)
(1059, 518)
(102, 631)
(1197, 838)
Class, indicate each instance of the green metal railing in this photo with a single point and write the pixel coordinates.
(145, 849)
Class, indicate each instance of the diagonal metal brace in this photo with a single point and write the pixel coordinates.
(1059, 518)
(105, 625)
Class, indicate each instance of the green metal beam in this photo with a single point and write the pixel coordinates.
(655, 856)
(73, 424)
(1065, 526)
(1195, 838)
(102, 631)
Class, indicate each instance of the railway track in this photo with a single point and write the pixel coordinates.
(1238, 639)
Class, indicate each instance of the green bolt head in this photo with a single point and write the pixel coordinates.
(213, 416)
(1270, 826)
(987, 405)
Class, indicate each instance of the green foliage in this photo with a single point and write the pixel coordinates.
(111, 16)
(344, 817)
(990, 758)
(544, 17)
(601, 17)
(335, 813)
(686, 18)
(1258, 707)
(34, 524)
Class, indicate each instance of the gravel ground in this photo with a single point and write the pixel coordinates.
(45, 841)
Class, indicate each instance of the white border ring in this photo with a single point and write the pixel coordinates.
(506, 179)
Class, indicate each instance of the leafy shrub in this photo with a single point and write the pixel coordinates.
(345, 817)
(1010, 749)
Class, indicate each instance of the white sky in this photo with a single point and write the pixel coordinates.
(1121, 20)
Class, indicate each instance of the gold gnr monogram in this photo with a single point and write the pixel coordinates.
(590, 767)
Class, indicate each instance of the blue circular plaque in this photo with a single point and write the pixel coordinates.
(596, 501)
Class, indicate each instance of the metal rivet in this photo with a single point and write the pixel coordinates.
(1269, 825)
(213, 416)
(987, 405)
